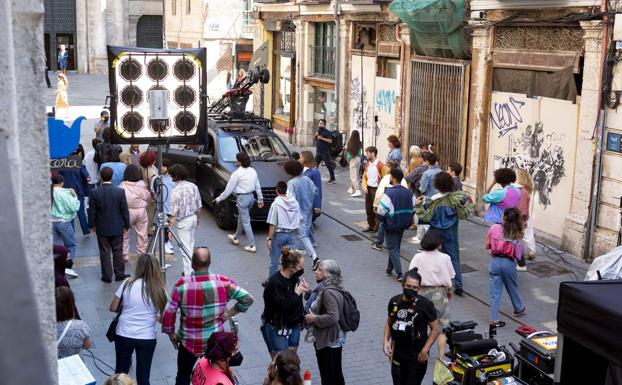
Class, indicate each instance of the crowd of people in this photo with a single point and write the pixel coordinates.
(114, 193)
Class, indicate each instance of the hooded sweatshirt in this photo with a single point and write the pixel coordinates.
(284, 213)
(136, 194)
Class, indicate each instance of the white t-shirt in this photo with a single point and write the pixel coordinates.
(91, 166)
(373, 176)
(138, 319)
(435, 268)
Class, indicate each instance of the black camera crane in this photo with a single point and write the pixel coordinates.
(236, 98)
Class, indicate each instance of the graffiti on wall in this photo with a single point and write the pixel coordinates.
(505, 117)
(385, 101)
(361, 108)
(541, 154)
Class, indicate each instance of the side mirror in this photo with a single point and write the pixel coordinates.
(206, 159)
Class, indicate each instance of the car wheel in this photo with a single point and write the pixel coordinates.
(224, 215)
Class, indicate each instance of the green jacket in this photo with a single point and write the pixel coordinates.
(65, 205)
(444, 210)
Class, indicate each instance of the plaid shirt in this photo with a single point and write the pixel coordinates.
(202, 299)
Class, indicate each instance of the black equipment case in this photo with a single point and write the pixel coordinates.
(540, 351)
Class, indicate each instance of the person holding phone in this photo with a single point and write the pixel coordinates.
(283, 313)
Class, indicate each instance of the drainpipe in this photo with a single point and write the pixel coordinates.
(337, 61)
(601, 129)
(400, 84)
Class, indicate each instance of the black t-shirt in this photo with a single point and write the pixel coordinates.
(409, 326)
(283, 307)
(321, 145)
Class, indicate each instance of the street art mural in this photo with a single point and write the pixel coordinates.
(538, 135)
(362, 98)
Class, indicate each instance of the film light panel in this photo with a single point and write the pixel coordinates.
(138, 73)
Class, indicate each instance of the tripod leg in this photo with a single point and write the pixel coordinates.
(153, 242)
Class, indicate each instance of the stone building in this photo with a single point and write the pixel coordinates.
(336, 60)
(223, 27)
(529, 86)
(85, 27)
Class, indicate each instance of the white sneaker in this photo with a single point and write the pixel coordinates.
(350, 190)
(168, 248)
(71, 273)
(250, 249)
(521, 268)
(233, 239)
(357, 193)
(415, 240)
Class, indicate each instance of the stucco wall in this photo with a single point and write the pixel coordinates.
(28, 334)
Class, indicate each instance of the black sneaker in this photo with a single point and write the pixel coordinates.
(107, 280)
(332, 181)
(459, 292)
(520, 313)
(264, 283)
(316, 263)
(376, 246)
(387, 273)
(400, 277)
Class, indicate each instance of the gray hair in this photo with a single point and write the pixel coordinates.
(415, 151)
(332, 273)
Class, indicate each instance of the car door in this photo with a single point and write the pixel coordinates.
(186, 155)
(206, 174)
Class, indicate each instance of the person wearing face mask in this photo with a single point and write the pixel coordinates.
(323, 316)
(283, 312)
(104, 121)
(406, 338)
(221, 354)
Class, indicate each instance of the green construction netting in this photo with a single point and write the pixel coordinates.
(435, 26)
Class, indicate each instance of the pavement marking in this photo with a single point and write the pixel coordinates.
(359, 211)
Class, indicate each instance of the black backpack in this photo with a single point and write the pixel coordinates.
(349, 316)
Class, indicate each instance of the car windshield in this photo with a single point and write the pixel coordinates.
(268, 148)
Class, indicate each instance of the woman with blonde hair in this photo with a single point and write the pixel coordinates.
(415, 158)
(142, 299)
(119, 379)
(62, 98)
(526, 183)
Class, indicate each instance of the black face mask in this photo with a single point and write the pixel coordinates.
(410, 294)
(236, 359)
(106, 119)
(298, 274)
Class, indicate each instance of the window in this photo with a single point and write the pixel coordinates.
(282, 86)
(324, 63)
(259, 147)
(174, 7)
(188, 5)
(324, 108)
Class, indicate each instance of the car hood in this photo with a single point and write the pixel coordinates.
(269, 173)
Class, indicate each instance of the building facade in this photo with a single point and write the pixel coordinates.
(85, 27)
(224, 28)
(338, 61)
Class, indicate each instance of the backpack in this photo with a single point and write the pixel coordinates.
(349, 316)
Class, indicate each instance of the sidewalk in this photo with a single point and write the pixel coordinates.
(539, 285)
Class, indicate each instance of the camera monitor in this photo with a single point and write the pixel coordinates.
(157, 95)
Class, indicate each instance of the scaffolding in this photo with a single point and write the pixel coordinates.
(436, 26)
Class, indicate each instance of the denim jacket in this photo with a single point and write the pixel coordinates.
(304, 191)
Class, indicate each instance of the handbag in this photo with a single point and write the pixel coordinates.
(111, 334)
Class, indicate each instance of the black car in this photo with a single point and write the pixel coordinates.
(211, 164)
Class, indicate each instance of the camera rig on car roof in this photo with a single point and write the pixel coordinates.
(236, 98)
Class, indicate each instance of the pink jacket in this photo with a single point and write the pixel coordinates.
(136, 194)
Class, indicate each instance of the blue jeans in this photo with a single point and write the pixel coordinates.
(124, 347)
(380, 234)
(278, 241)
(450, 247)
(84, 222)
(63, 233)
(306, 221)
(277, 343)
(394, 242)
(503, 273)
(245, 203)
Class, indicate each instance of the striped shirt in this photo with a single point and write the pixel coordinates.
(202, 299)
